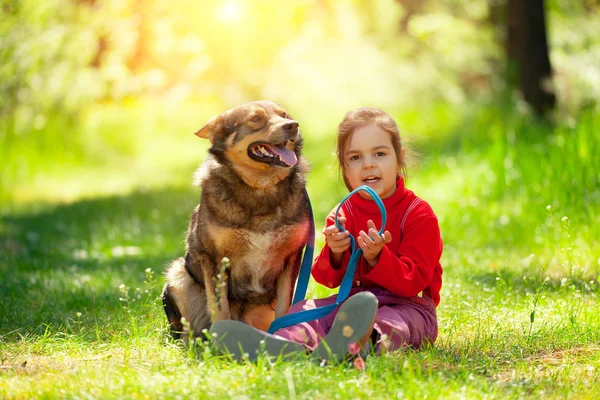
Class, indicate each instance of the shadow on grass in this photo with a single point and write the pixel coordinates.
(61, 260)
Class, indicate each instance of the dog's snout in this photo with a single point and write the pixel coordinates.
(290, 126)
(290, 131)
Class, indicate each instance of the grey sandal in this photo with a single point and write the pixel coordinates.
(242, 341)
(352, 326)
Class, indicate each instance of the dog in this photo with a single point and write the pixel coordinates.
(254, 213)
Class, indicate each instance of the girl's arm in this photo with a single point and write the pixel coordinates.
(409, 270)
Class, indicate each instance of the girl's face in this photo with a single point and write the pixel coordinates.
(370, 160)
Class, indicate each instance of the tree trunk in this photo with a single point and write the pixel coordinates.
(527, 52)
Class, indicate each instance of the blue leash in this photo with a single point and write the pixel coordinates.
(305, 269)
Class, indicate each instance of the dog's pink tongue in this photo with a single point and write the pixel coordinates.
(287, 156)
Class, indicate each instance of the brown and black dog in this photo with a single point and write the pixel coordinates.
(254, 211)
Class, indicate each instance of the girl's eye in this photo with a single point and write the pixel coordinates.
(256, 118)
(380, 154)
(353, 158)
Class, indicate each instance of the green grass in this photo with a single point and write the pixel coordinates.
(81, 274)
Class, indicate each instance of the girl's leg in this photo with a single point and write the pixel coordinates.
(353, 324)
(309, 333)
(413, 322)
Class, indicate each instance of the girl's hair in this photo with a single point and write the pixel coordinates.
(359, 118)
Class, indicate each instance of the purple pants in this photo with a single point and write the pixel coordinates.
(400, 321)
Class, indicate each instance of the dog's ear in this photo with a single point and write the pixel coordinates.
(212, 128)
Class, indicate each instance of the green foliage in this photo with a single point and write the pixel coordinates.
(62, 63)
(550, 165)
(44, 85)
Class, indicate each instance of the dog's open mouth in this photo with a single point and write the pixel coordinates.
(277, 155)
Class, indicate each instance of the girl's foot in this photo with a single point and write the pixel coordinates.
(242, 341)
(352, 327)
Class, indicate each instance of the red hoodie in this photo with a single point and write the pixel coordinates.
(410, 264)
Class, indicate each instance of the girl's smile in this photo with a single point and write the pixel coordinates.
(371, 179)
(372, 182)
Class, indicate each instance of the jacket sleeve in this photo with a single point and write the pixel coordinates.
(322, 271)
(409, 270)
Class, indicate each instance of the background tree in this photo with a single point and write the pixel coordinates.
(527, 53)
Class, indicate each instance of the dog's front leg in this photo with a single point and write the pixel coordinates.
(285, 284)
(284, 293)
(216, 294)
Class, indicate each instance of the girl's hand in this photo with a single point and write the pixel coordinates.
(372, 243)
(337, 241)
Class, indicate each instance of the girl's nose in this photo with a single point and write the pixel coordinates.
(368, 163)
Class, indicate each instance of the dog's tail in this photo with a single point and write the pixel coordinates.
(170, 306)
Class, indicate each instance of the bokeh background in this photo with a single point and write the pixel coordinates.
(497, 99)
(90, 88)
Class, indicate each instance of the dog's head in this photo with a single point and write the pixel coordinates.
(259, 139)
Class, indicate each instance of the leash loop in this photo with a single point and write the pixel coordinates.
(304, 275)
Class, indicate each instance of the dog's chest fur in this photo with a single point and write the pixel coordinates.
(257, 258)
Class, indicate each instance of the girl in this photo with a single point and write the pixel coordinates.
(398, 279)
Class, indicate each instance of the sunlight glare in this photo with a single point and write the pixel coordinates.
(230, 11)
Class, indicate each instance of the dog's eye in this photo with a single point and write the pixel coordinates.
(256, 118)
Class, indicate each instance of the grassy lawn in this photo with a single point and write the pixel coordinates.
(80, 315)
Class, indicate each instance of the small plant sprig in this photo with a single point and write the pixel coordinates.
(536, 299)
(139, 295)
(125, 299)
(221, 284)
(149, 276)
(128, 299)
(75, 324)
(78, 322)
(188, 336)
(537, 293)
(568, 250)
